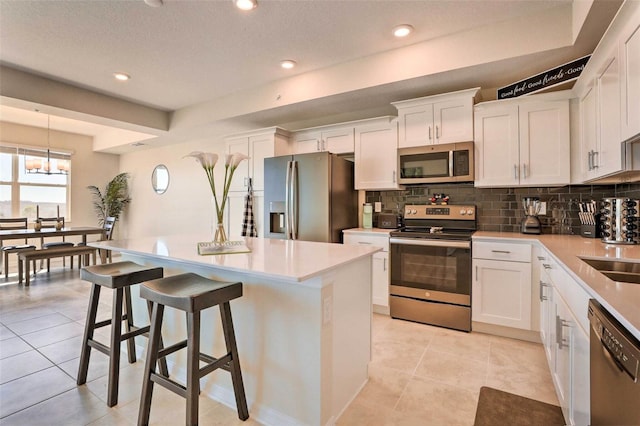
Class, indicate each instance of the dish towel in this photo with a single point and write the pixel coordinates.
(248, 223)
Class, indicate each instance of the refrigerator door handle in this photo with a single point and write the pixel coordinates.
(287, 203)
(294, 200)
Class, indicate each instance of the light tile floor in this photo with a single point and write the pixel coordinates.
(419, 375)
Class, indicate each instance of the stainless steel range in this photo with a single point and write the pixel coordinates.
(431, 266)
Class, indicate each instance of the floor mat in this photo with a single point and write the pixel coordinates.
(496, 407)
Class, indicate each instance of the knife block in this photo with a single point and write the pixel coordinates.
(591, 230)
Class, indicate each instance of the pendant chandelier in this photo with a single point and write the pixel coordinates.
(36, 166)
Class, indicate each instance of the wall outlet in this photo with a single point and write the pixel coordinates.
(377, 206)
(543, 208)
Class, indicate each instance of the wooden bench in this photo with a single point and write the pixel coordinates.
(26, 256)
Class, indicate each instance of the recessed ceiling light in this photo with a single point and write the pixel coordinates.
(121, 76)
(288, 64)
(154, 3)
(246, 4)
(402, 30)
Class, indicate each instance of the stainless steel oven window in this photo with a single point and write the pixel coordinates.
(446, 269)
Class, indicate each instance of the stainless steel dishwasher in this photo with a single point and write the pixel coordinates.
(615, 360)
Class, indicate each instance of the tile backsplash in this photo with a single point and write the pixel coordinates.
(500, 209)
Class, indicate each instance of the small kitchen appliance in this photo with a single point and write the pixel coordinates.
(430, 260)
(389, 220)
(531, 223)
(619, 221)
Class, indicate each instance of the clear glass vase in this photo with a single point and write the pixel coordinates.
(220, 235)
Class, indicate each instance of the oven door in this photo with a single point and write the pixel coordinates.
(435, 270)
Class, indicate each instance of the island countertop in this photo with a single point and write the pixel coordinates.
(285, 260)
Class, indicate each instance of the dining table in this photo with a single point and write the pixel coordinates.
(21, 234)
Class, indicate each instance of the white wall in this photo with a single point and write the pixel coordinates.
(187, 206)
(87, 167)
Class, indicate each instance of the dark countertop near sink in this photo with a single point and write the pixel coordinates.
(619, 298)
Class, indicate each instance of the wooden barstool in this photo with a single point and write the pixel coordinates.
(119, 276)
(190, 293)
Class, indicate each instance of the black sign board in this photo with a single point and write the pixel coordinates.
(550, 78)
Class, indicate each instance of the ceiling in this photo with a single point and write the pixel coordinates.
(186, 56)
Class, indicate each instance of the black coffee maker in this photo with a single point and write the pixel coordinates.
(531, 223)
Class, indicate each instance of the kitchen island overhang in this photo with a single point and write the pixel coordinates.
(303, 324)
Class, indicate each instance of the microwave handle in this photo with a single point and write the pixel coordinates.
(450, 163)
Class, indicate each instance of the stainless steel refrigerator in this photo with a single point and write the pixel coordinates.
(309, 197)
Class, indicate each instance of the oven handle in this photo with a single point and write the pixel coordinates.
(430, 243)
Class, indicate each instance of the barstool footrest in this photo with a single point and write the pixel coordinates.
(107, 322)
(172, 385)
(135, 331)
(99, 347)
(214, 363)
(171, 349)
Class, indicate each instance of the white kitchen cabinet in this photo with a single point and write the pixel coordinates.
(380, 277)
(564, 334)
(444, 118)
(589, 140)
(501, 287)
(607, 159)
(337, 140)
(629, 49)
(258, 145)
(376, 155)
(523, 142)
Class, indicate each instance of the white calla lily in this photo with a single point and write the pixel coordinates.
(208, 161)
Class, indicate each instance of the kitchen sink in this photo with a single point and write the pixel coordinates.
(617, 270)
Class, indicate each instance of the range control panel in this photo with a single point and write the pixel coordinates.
(460, 212)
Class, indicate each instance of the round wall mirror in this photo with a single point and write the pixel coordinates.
(160, 179)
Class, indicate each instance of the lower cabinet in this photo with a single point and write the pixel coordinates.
(501, 287)
(380, 266)
(563, 308)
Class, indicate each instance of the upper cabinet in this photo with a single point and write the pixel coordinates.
(334, 139)
(376, 154)
(609, 98)
(629, 50)
(523, 142)
(436, 119)
(258, 145)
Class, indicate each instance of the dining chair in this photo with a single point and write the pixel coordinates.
(14, 224)
(50, 222)
(109, 224)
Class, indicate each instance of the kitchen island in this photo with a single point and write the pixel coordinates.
(303, 324)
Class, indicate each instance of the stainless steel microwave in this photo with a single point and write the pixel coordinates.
(452, 162)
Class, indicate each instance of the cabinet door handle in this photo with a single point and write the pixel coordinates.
(363, 242)
(318, 145)
(500, 251)
(560, 340)
(394, 176)
(429, 132)
(515, 171)
(596, 159)
(437, 132)
(524, 171)
(476, 273)
(384, 264)
(546, 266)
(590, 159)
(540, 258)
(542, 286)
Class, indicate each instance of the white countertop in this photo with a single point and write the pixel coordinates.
(621, 299)
(286, 260)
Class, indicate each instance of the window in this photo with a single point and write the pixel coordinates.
(21, 193)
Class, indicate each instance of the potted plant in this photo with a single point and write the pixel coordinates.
(113, 200)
